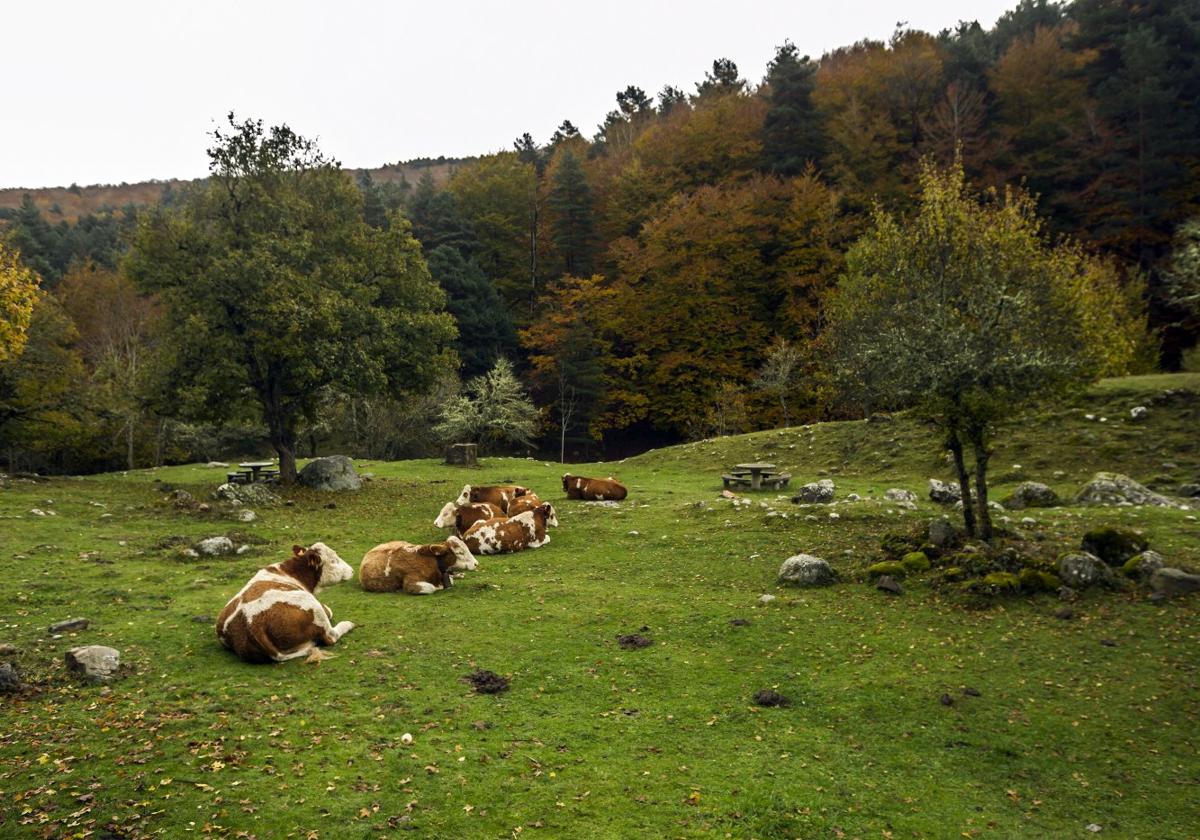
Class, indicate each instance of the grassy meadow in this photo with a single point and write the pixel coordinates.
(1068, 723)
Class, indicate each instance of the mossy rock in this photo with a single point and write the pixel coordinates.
(887, 567)
(973, 564)
(1040, 564)
(916, 562)
(995, 584)
(954, 574)
(1036, 580)
(1114, 545)
(896, 544)
(1143, 565)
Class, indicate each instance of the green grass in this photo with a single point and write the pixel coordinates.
(592, 740)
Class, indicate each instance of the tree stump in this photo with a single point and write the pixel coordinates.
(462, 454)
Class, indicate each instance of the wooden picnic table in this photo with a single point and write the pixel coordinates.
(256, 469)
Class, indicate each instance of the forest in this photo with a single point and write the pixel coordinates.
(667, 277)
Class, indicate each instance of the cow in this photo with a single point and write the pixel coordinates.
(276, 616)
(523, 503)
(415, 569)
(593, 489)
(462, 517)
(499, 495)
(525, 530)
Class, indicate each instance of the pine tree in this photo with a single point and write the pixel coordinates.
(571, 224)
(485, 332)
(792, 130)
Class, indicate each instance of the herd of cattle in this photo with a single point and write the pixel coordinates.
(276, 616)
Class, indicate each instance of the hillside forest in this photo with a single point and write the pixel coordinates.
(663, 277)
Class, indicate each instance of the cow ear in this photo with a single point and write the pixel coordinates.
(297, 550)
(313, 559)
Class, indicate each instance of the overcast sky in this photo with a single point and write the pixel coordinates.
(104, 92)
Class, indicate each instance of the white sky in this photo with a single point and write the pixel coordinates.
(103, 92)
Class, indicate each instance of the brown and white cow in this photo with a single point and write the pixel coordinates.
(499, 495)
(462, 517)
(276, 616)
(415, 569)
(523, 503)
(525, 530)
(593, 489)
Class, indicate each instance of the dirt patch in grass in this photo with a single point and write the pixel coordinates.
(633, 641)
(486, 682)
(767, 697)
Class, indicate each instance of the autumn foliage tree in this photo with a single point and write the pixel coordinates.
(18, 293)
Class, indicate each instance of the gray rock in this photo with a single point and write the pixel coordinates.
(818, 492)
(7, 649)
(181, 498)
(890, 585)
(1172, 582)
(944, 493)
(897, 494)
(95, 663)
(1079, 571)
(244, 549)
(941, 532)
(1147, 563)
(806, 570)
(249, 494)
(245, 515)
(70, 625)
(1189, 491)
(215, 546)
(1138, 413)
(1031, 494)
(10, 680)
(335, 472)
(1113, 488)
(765, 599)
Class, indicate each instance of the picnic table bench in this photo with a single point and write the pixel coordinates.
(252, 472)
(755, 476)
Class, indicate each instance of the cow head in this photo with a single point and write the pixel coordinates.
(519, 491)
(566, 481)
(548, 514)
(464, 560)
(465, 496)
(333, 569)
(445, 519)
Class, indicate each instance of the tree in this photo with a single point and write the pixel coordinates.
(569, 206)
(965, 311)
(780, 374)
(18, 293)
(792, 131)
(485, 332)
(495, 411)
(722, 80)
(276, 287)
(1182, 281)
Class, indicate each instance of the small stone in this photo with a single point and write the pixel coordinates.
(972, 692)
(245, 515)
(767, 697)
(95, 663)
(890, 585)
(946, 700)
(204, 507)
(331, 506)
(202, 619)
(763, 600)
(244, 549)
(1066, 593)
(1138, 413)
(215, 546)
(1093, 827)
(1108, 643)
(70, 625)
(1064, 613)
(7, 649)
(10, 679)
(898, 494)
(941, 532)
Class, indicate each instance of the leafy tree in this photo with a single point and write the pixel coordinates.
(780, 374)
(569, 207)
(277, 288)
(966, 312)
(792, 131)
(1182, 282)
(495, 411)
(485, 332)
(18, 294)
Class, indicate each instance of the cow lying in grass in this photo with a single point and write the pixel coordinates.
(462, 517)
(415, 569)
(529, 501)
(593, 489)
(276, 616)
(525, 530)
(499, 495)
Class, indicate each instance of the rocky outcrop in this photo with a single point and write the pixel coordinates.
(334, 473)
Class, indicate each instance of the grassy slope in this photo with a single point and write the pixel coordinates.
(596, 741)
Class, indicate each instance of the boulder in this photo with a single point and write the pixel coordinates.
(70, 625)
(245, 515)
(95, 663)
(944, 493)
(335, 472)
(941, 532)
(180, 498)
(1171, 582)
(1189, 491)
(247, 494)
(1113, 545)
(215, 546)
(1079, 571)
(818, 492)
(897, 494)
(1144, 565)
(10, 680)
(1113, 488)
(1031, 494)
(889, 585)
(806, 570)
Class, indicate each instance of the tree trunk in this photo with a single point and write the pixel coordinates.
(783, 408)
(129, 441)
(964, 481)
(981, 498)
(286, 449)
